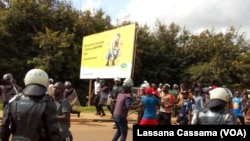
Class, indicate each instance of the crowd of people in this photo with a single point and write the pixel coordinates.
(41, 111)
(193, 106)
(156, 105)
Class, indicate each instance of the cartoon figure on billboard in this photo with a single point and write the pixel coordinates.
(114, 50)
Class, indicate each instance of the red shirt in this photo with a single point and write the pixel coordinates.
(155, 92)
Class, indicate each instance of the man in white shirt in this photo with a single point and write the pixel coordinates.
(97, 88)
(50, 87)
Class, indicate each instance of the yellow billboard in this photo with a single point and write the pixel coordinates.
(108, 54)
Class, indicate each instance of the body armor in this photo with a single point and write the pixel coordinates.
(115, 91)
(71, 95)
(8, 91)
(223, 117)
(30, 119)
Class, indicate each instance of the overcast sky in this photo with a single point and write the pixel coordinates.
(195, 15)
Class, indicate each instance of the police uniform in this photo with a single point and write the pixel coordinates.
(31, 115)
(216, 114)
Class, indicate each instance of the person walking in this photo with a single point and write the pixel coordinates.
(216, 114)
(7, 89)
(198, 102)
(71, 95)
(104, 93)
(238, 107)
(31, 115)
(123, 105)
(114, 93)
(63, 111)
(96, 95)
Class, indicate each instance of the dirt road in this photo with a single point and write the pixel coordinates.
(90, 127)
(95, 131)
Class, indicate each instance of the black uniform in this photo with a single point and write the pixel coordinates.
(30, 118)
(209, 117)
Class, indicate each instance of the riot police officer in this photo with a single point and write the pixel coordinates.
(71, 95)
(7, 89)
(216, 114)
(31, 115)
(114, 92)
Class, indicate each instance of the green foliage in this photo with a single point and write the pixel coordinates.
(1, 106)
(48, 35)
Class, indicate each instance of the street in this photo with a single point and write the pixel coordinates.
(95, 131)
(90, 127)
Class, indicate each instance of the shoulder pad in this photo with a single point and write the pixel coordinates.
(15, 97)
(204, 111)
(46, 97)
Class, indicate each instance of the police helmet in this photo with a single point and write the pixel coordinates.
(36, 76)
(36, 82)
(102, 82)
(218, 96)
(128, 82)
(67, 83)
(143, 86)
(175, 86)
(8, 76)
(117, 79)
(51, 80)
(219, 93)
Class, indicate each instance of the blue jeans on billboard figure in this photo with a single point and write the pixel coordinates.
(122, 126)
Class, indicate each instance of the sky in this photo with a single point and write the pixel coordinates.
(194, 15)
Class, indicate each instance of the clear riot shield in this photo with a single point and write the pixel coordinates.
(136, 93)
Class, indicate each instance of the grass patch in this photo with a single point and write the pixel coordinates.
(88, 109)
(91, 109)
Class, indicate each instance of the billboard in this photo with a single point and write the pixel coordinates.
(108, 54)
